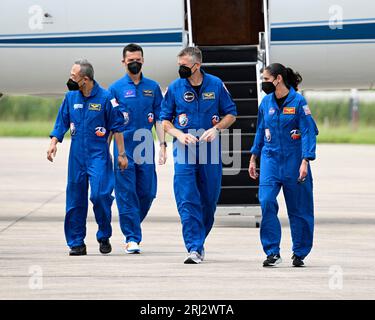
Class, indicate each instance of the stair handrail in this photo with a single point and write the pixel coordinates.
(266, 31)
(190, 27)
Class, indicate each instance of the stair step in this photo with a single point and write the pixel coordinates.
(232, 73)
(246, 107)
(237, 142)
(246, 125)
(229, 53)
(242, 90)
(231, 177)
(238, 196)
(236, 159)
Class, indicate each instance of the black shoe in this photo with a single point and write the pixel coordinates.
(78, 251)
(105, 246)
(272, 260)
(297, 261)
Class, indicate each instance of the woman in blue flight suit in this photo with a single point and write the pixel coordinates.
(286, 142)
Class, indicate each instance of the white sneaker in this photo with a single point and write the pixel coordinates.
(132, 248)
(203, 253)
(193, 258)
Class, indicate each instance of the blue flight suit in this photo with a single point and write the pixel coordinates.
(283, 138)
(197, 183)
(90, 120)
(135, 187)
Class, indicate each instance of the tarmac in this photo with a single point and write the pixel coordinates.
(34, 261)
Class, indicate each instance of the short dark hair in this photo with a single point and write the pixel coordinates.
(132, 47)
(194, 52)
(87, 69)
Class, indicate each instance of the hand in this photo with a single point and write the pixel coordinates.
(122, 162)
(52, 151)
(253, 170)
(187, 138)
(162, 155)
(303, 170)
(209, 135)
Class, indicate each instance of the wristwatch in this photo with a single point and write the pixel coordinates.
(122, 154)
(217, 129)
(163, 144)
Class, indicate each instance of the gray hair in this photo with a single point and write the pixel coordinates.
(194, 52)
(87, 69)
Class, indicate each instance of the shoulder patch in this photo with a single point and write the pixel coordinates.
(114, 103)
(306, 109)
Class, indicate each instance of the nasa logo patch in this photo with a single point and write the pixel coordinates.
(183, 120)
(271, 111)
(130, 94)
(189, 96)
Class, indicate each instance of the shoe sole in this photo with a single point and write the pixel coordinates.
(278, 261)
(191, 261)
(78, 254)
(133, 251)
(105, 251)
(298, 265)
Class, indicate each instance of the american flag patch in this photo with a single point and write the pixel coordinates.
(306, 109)
(114, 103)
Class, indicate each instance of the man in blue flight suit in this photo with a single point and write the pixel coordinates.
(91, 114)
(286, 142)
(140, 99)
(191, 112)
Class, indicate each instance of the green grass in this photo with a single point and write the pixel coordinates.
(340, 134)
(27, 108)
(23, 116)
(346, 134)
(25, 128)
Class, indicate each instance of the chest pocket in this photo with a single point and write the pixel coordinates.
(76, 113)
(271, 117)
(288, 116)
(209, 102)
(186, 102)
(95, 114)
(147, 101)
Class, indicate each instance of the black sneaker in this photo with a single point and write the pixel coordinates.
(105, 246)
(272, 260)
(297, 261)
(78, 251)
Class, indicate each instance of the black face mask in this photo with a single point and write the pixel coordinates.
(185, 72)
(134, 67)
(72, 85)
(268, 87)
